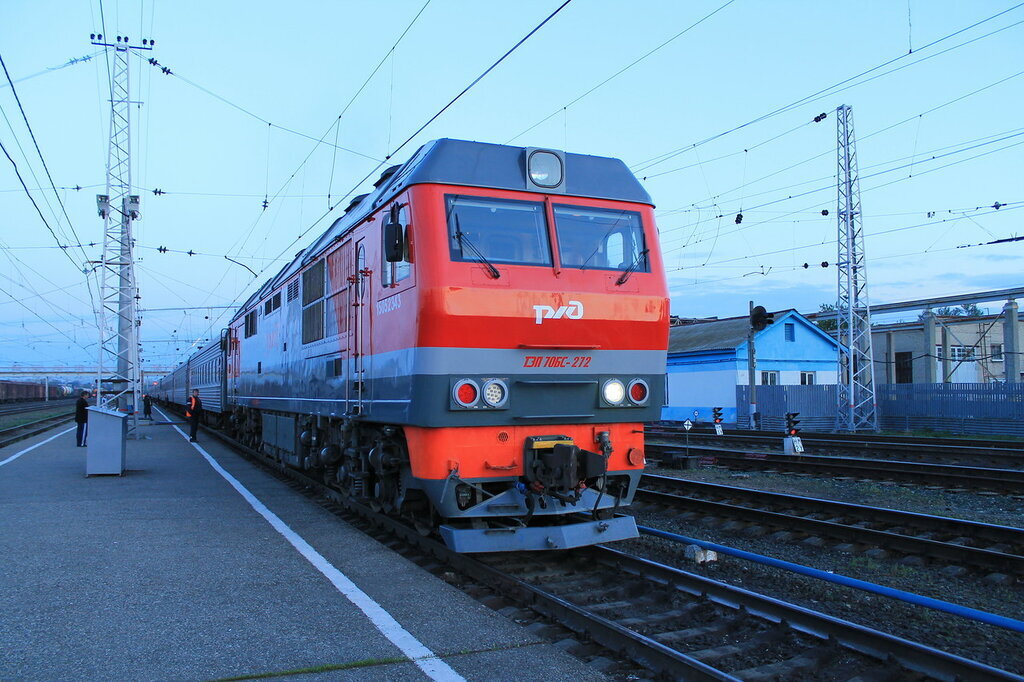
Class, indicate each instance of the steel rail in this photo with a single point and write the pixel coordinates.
(893, 529)
(1007, 454)
(13, 434)
(1007, 481)
(995, 443)
(799, 638)
(35, 406)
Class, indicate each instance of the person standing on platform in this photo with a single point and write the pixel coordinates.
(147, 407)
(82, 419)
(193, 411)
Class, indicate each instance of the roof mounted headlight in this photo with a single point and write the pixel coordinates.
(545, 170)
(613, 391)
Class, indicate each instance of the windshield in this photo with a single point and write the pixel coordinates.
(497, 231)
(599, 238)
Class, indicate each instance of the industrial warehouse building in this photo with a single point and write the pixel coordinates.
(949, 350)
(707, 362)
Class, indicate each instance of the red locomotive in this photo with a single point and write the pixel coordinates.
(474, 345)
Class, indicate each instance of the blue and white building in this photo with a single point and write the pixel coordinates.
(707, 361)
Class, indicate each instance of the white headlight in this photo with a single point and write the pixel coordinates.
(545, 169)
(495, 392)
(613, 391)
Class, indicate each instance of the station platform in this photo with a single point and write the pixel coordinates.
(174, 572)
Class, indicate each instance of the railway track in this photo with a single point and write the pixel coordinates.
(20, 408)
(13, 434)
(947, 476)
(980, 547)
(629, 616)
(978, 453)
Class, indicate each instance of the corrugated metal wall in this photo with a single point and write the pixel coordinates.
(951, 408)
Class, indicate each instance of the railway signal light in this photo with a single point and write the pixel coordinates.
(760, 318)
(716, 415)
(791, 422)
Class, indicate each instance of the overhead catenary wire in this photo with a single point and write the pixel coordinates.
(41, 318)
(409, 139)
(695, 206)
(835, 88)
(36, 206)
(167, 71)
(974, 144)
(861, 137)
(244, 237)
(41, 299)
(621, 71)
(828, 241)
(423, 127)
(53, 69)
(39, 151)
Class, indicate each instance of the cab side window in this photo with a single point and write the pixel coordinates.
(393, 273)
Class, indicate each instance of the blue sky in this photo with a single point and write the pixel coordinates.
(299, 64)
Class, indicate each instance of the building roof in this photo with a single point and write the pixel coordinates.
(724, 334)
(728, 334)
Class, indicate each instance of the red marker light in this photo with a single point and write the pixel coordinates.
(638, 391)
(466, 393)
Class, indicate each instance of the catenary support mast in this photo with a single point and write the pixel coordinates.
(856, 382)
(119, 379)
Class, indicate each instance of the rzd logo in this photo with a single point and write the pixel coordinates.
(573, 311)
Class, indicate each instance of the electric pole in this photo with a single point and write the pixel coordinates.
(118, 305)
(855, 387)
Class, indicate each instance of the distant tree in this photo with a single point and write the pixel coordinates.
(829, 324)
(965, 310)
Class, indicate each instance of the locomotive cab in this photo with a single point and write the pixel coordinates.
(543, 322)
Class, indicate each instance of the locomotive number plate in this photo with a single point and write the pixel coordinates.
(557, 361)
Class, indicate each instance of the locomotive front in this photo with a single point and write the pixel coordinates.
(540, 344)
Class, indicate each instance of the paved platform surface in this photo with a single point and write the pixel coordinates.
(169, 573)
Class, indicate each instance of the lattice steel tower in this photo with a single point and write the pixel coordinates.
(856, 385)
(119, 379)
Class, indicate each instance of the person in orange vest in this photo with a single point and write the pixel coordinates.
(193, 411)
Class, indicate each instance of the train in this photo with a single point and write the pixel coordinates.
(27, 391)
(474, 346)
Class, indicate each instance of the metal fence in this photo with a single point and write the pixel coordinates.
(952, 401)
(950, 408)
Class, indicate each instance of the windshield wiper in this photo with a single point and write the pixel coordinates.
(464, 241)
(632, 268)
(601, 241)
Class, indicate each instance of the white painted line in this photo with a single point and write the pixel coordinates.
(30, 449)
(423, 657)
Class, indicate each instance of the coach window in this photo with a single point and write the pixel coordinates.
(600, 238)
(393, 273)
(497, 231)
(313, 303)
